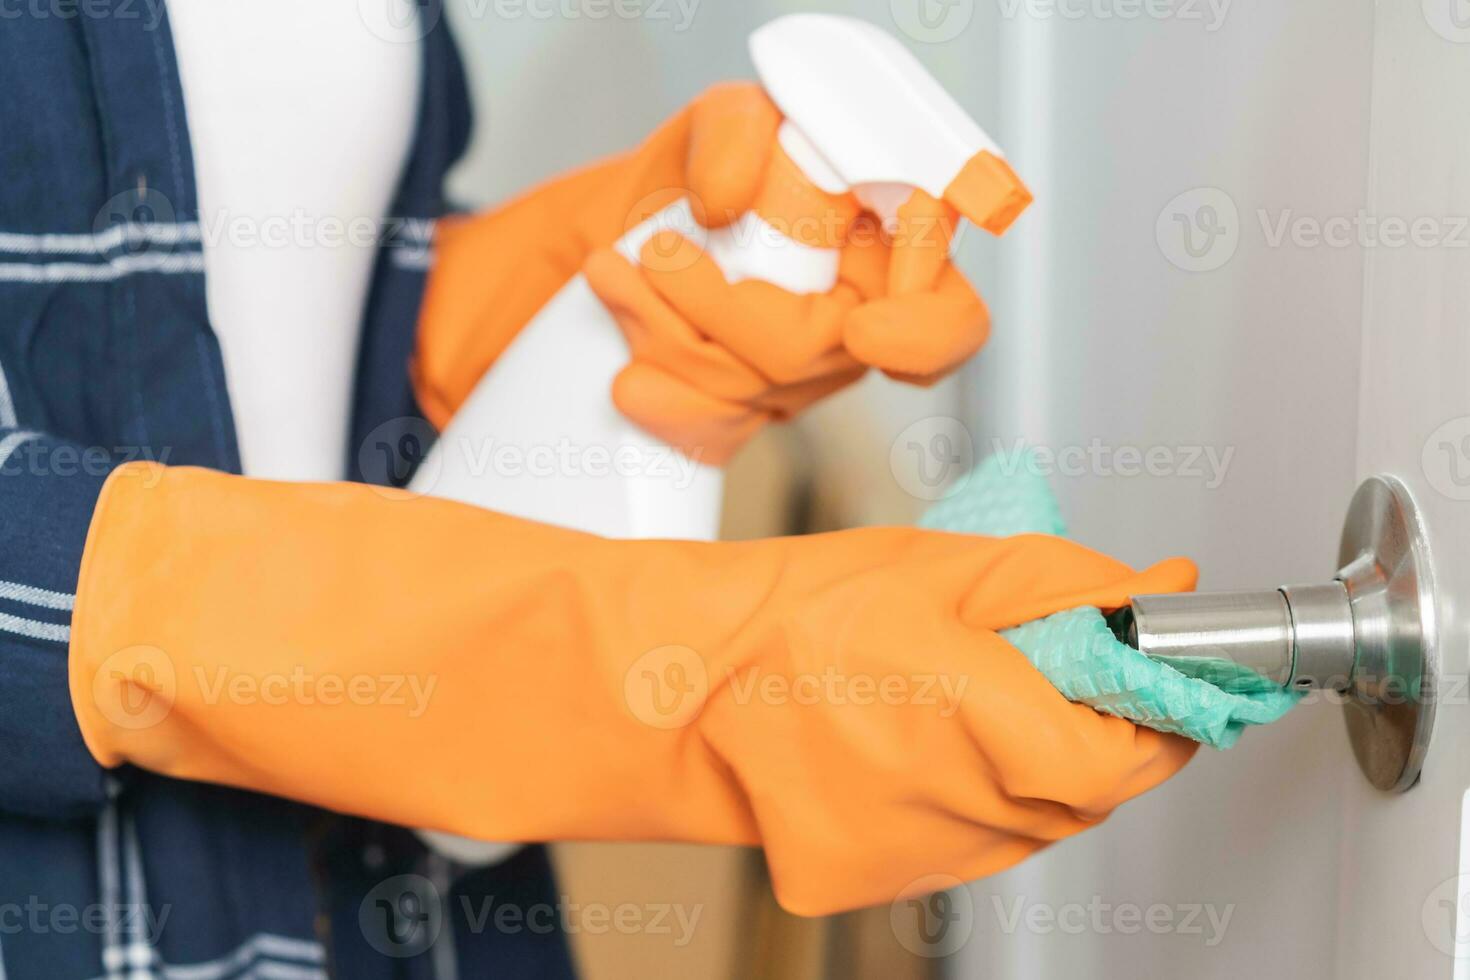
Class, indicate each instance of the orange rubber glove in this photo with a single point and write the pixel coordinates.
(713, 362)
(493, 272)
(841, 700)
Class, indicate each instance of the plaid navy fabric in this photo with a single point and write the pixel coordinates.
(106, 354)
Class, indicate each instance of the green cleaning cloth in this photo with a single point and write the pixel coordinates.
(1076, 649)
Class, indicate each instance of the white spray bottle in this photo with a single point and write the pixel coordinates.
(540, 437)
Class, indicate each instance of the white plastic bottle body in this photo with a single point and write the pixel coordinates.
(540, 438)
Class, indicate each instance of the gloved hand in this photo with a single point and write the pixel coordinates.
(843, 700)
(712, 362)
(493, 272)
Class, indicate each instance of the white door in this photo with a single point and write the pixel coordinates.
(1248, 239)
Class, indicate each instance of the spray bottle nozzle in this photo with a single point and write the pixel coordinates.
(871, 117)
(988, 192)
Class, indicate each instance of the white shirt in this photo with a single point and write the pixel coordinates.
(301, 117)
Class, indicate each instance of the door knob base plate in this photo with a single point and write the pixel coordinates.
(1386, 569)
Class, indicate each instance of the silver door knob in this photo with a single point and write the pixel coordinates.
(1369, 635)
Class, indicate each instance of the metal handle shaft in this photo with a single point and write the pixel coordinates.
(1297, 636)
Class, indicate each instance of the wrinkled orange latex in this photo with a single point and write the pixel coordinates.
(842, 700)
(713, 362)
(494, 271)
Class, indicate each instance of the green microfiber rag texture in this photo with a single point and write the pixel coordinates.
(1076, 649)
